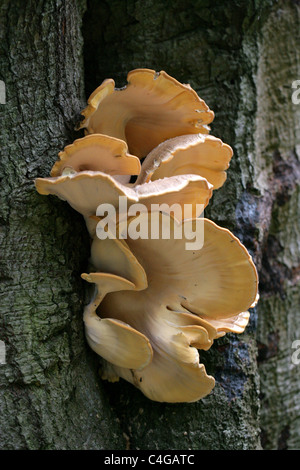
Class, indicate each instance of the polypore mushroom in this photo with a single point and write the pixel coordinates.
(86, 190)
(157, 299)
(114, 340)
(97, 152)
(113, 256)
(199, 154)
(192, 297)
(153, 107)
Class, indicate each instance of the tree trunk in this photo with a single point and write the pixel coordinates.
(51, 397)
(241, 58)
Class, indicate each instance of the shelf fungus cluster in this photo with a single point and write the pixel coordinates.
(155, 303)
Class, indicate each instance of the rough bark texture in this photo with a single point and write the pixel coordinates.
(50, 395)
(277, 158)
(241, 57)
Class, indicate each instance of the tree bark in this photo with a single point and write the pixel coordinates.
(241, 58)
(278, 172)
(50, 393)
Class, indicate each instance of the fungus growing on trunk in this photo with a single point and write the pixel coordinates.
(198, 154)
(191, 298)
(113, 339)
(185, 195)
(152, 108)
(85, 177)
(97, 152)
(177, 281)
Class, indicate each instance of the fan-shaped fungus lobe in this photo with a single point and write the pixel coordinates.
(155, 302)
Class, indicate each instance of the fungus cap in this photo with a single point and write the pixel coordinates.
(86, 190)
(192, 297)
(198, 154)
(97, 152)
(113, 256)
(114, 340)
(153, 107)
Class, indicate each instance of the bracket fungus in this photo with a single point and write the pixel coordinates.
(198, 154)
(97, 152)
(191, 298)
(152, 108)
(155, 302)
